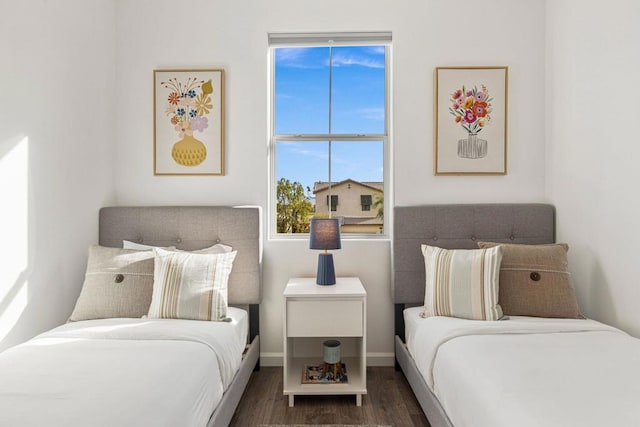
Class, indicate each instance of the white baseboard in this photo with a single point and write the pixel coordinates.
(271, 359)
(381, 359)
(373, 359)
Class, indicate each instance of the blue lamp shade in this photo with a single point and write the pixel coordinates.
(325, 234)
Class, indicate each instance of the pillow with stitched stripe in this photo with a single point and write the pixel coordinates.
(462, 282)
(190, 285)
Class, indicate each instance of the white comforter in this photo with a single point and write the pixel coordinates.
(528, 371)
(121, 372)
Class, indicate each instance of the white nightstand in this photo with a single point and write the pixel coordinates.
(314, 313)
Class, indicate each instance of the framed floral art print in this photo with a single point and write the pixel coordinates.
(471, 120)
(188, 123)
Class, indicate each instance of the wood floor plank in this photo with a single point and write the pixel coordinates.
(389, 401)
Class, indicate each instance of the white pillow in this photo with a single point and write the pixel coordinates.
(126, 244)
(462, 282)
(190, 285)
(218, 248)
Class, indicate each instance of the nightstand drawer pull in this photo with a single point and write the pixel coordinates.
(342, 318)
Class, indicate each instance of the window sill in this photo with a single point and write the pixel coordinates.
(344, 238)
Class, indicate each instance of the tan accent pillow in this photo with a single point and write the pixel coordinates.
(118, 283)
(535, 281)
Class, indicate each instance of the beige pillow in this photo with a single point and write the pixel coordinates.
(190, 285)
(118, 283)
(535, 281)
(462, 283)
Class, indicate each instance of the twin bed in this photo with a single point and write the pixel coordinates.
(520, 371)
(126, 371)
(131, 371)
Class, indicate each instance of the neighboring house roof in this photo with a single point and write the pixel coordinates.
(350, 220)
(323, 185)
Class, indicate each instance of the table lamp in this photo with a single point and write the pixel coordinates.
(325, 234)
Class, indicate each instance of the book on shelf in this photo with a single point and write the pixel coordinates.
(324, 373)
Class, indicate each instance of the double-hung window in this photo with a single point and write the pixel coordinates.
(365, 201)
(329, 139)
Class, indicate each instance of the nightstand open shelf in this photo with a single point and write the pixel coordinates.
(315, 313)
(294, 384)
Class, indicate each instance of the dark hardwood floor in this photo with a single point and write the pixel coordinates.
(389, 401)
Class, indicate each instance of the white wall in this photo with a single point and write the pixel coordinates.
(56, 156)
(593, 149)
(154, 34)
(76, 108)
(449, 33)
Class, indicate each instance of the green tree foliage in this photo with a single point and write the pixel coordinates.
(378, 204)
(294, 207)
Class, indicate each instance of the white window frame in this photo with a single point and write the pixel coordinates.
(283, 40)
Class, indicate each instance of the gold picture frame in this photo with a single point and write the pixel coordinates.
(188, 122)
(470, 124)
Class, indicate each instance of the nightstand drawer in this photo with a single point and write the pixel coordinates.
(324, 318)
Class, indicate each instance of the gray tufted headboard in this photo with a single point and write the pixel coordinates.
(194, 228)
(459, 227)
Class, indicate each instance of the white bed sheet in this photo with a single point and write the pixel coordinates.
(528, 371)
(122, 372)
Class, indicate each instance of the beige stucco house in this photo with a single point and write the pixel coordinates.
(352, 202)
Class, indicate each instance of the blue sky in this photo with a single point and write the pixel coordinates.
(302, 102)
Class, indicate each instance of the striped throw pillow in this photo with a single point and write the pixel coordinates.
(462, 283)
(190, 286)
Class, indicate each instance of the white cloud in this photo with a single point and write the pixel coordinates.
(371, 113)
(290, 54)
(282, 95)
(295, 57)
(340, 60)
(376, 49)
(299, 57)
(311, 153)
(295, 147)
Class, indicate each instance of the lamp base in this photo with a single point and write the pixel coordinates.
(326, 274)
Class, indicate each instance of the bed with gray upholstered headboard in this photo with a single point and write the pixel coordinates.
(197, 227)
(157, 336)
(456, 226)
